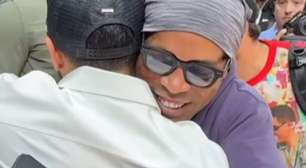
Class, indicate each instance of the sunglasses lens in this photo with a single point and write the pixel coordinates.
(157, 61)
(199, 75)
(163, 63)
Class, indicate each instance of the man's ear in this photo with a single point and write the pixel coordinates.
(57, 57)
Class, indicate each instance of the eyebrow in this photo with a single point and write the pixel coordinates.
(162, 49)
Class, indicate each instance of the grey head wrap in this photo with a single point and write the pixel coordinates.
(221, 21)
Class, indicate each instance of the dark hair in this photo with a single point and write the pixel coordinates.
(284, 113)
(107, 37)
(253, 6)
(254, 31)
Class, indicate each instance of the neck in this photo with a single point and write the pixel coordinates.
(252, 58)
(279, 27)
(126, 71)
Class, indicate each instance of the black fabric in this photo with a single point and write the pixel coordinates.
(71, 22)
(297, 68)
(27, 161)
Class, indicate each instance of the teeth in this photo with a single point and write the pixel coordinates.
(168, 104)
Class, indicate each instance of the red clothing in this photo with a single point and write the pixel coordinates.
(274, 84)
(273, 45)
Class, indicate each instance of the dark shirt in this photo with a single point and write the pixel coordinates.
(241, 122)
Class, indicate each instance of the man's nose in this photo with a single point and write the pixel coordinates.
(175, 82)
(289, 8)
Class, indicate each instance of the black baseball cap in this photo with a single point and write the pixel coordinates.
(71, 22)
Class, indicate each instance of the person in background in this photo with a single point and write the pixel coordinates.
(190, 65)
(291, 144)
(284, 10)
(264, 65)
(90, 119)
(22, 32)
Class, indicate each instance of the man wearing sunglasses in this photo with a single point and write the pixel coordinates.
(188, 58)
(90, 119)
(198, 73)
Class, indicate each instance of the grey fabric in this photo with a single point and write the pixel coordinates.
(221, 21)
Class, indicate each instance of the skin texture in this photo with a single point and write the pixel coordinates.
(173, 88)
(285, 133)
(63, 65)
(286, 9)
(252, 56)
(60, 63)
(282, 130)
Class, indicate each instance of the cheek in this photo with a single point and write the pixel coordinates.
(278, 13)
(281, 135)
(300, 8)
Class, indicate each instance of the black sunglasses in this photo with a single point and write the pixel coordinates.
(197, 73)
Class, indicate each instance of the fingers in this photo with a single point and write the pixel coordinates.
(280, 34)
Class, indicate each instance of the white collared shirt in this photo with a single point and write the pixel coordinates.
(93, 119)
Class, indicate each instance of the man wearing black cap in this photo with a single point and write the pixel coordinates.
(90, 119)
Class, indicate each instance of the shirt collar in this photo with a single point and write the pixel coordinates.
(100, 82)
(273, 30)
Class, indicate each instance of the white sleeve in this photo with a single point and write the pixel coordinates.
(216, 155)
(6, 77)
(212, 154)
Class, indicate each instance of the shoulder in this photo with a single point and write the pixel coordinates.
(276, 43)
(37, 77)
(237, 109)
(237, 102)
(242, 93)
(242, 124)
(247, 134)
(34, 83)
(30, 95)
(245, 110)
